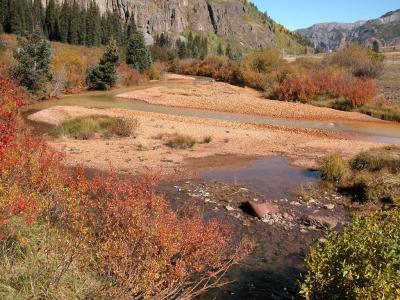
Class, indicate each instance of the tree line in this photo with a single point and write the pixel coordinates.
(67, 22)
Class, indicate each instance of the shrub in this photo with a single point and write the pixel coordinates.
(383, 188)
(181, 142)
(333, 168)
(361, 62)
(378, 159)
(207, 139)
(358, 91)
(63, 236)
(87, 127)
(156, 71)
(69, 67)
(129, 76)
(362, 262)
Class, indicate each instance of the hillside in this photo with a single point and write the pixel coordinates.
(238, 22)
(327, 36)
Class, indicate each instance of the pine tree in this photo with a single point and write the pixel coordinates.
(137, 55)
(51, 21)
(93, 29)
(131, 28)
(228, 51)
(220, 50)
(33, 56)
(38, 13)
(75, 22)
(182, 49)
(104, 75)
(64, 22)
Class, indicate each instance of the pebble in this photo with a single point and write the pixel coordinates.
(329, 206)
(229, 208)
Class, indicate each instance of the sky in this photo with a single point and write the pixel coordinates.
(296, 14)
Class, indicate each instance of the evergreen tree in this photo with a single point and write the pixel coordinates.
(104, 75)
(228, 51)
(74, 23)
(137, 55)
(220, 50)
(131, 28)
(38, 13)
(93, 31)
(375, 46)
(64, 22)
(33, 57)
(51, 21)
(182, 49)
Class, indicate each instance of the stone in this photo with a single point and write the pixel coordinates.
(329, 206)
(261, 210)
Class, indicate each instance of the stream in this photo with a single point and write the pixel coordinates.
(385, 132)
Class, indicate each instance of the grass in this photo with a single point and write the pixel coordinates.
(181, 142)
(378, 159)
(373, 175)
(333, 168)
(87, 127)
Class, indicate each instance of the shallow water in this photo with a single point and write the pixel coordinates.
(377, 132)
(270, 176)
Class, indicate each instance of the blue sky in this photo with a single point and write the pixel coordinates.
(296, 14)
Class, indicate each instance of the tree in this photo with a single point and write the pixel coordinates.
(182, 49)
(220, 50)
(93, 25)
(33, 57)
(375, 46)
(51, 21)
(228, 51)
(104, 75)
(137, 55)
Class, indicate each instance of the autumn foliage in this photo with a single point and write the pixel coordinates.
(105, 237)
(346, 75)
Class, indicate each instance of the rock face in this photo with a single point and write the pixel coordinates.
(328, 36)
(229, 18)
(234, 20)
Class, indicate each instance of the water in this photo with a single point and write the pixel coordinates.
(270, 176)
(377, 132)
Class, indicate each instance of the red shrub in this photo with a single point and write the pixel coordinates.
(129, 236)
(10, 101)
(357, 91)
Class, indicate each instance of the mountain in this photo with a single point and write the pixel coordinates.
(235, 21)
(328, 36)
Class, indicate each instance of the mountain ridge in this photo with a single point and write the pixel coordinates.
(332, 35)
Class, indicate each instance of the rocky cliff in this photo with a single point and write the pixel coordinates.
(237, 21)
(328, 36)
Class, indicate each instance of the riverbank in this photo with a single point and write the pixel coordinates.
(223, 97)
(230, 143)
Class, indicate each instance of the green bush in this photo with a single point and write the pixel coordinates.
(378, 159)
(333, 168)
(361, 263)
(87, 127)
(181, 142)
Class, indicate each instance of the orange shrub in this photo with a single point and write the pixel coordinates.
(128, 76)
(357, 91)
(69, 67)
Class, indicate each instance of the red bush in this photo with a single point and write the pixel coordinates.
(358, 91)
